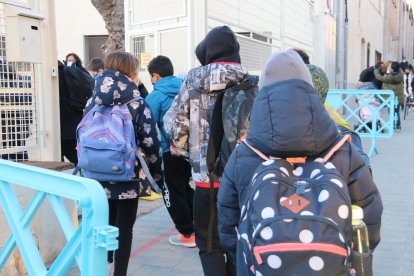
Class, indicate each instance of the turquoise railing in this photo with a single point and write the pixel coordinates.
(86, 245)
(380, 103)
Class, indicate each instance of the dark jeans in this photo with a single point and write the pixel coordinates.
(397, 113)
(68, 149)
(213, 262)
(177, 192)
(122, 214)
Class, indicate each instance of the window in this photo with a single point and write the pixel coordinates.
(93, 47)
(368, 53)
(363, 54)
(378, 56)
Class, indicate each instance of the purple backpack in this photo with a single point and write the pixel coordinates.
(107, 147)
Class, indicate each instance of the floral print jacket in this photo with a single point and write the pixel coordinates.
(113, 88)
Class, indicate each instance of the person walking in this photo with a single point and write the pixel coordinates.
(188, 124)
(116, 86)
(288, 119)
(177, 193)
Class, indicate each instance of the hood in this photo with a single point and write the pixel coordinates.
(169, 86)
(214, 77)
(114, 88)
(283, 66)
(288, 119)
(320, 81)
(220, 44)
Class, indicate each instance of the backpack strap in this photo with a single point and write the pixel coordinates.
(147, 173)
(300, 160)
(346, 138)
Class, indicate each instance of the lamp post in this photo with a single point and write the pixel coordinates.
(345, 70)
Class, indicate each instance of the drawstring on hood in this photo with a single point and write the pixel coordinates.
(219, 45)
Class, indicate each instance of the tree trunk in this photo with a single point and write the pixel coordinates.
(112, 12)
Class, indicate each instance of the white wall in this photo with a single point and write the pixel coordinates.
(76, 19)
(366, 20)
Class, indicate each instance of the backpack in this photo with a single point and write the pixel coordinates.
(80, 85)
(230, 121)
(297, 218)
(106, 145)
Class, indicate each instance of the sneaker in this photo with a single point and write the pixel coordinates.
(182, 240)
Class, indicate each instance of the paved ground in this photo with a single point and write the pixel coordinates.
(394, 175)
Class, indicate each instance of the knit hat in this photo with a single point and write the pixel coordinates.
(284, 66)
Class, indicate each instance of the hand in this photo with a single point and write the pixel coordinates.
(174, 151)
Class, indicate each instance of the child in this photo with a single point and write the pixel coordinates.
(288, 119)
(178, 195)
(96, 67)
(118, 85)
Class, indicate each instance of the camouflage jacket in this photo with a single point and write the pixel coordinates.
(188, 120)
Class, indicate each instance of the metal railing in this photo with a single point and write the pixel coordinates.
(87, 245)
(369, 112)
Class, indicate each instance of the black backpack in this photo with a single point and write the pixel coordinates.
(296, 219)
(230, 122)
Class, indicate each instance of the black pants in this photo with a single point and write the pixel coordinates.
(177, 192)
(397, 114)
(122, 214)
(68, 149)
(214, 262)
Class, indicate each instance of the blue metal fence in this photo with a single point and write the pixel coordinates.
(87, 245)
(370, 112)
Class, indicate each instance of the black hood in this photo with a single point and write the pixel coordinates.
(288, 119)
(220, 45)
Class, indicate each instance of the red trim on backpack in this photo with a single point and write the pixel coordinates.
(289, 247)
(206, 185)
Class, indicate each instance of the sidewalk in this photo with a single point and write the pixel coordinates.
(394, 174)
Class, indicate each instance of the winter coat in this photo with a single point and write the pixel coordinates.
(160, 101)
(367, 75)
(289, 120)
(115, 88)
(188, 120)
(69, 117)
(394, 82)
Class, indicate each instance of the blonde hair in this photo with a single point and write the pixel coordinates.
(123, 62)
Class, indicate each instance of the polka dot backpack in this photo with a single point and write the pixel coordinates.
(296, 220)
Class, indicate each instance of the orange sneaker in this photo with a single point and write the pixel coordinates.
(182, 240)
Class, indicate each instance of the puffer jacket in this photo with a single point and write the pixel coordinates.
(394, 82)
(113, 88)
(289, 120)
(187, 120)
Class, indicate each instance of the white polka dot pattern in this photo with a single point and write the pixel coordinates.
(324, 195)
(329, 165)
(258, 273)
(306, 213)
(267, 176)
(283, 198)
(298, 171)
(316, 263)
(314, 173)
(343, 211)
(284, 170)
(274, 261)
(256, 195)
(268, 162)
(305, 236)
(266, 233)
(337, 182)
(268, 212)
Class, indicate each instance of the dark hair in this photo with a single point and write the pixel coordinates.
(95, 64)
(77, 58)
(122, 62)
(410, 67)
(395, 66)
(303, 55)
(161, 65)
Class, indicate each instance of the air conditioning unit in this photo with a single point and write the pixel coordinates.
(23, 36)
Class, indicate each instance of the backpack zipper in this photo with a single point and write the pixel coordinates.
(295, 247)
